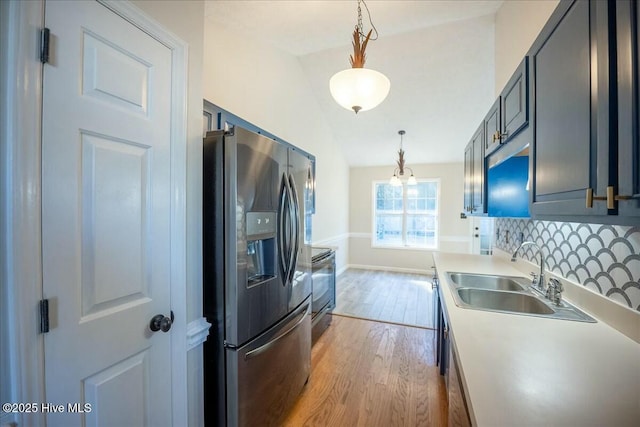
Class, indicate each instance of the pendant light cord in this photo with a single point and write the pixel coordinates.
(359, 27)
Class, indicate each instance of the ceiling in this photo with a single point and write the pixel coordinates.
(439, 56)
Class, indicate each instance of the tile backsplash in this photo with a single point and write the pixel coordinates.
(603, 258)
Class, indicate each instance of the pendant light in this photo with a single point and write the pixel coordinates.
(358, 88)
(399, 171)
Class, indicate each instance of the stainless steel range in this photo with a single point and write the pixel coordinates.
(323, 261)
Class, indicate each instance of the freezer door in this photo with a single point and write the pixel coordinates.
(265, 377)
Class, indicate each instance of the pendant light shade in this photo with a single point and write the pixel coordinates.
(359, 89)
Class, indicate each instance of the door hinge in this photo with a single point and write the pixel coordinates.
(44, 316)
(44, 45)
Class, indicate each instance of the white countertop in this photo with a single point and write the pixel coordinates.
(526, 370)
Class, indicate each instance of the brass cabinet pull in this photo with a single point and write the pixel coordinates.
(610, 198)
(502, 136)
(591, 198)
(611, 204)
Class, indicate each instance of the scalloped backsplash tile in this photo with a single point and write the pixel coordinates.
(604, 258)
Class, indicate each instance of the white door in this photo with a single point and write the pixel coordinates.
(482, 235)
(105, 219)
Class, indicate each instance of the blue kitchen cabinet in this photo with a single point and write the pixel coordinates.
(515, 103)
(509, 114)
(573, 118)
(492, 128)
(627, 193)
(474, 175)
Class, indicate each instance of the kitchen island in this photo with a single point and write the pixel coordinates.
(526, 370)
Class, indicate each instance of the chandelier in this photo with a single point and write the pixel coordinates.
(358, 88)
(399, 171)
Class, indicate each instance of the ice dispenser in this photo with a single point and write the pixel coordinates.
(261, 247)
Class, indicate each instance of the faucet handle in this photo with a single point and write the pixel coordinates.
(554, 291)
(534, 279)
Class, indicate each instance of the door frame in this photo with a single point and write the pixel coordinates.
(20, 211)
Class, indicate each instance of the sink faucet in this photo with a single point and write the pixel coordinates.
(537, 281)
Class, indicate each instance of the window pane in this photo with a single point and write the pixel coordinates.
(388, 230)
(421, 230)
(431, 189)
(388, 198)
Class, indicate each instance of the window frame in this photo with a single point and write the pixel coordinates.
(405, 214)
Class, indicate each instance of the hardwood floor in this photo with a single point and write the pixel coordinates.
(401, 298)
(367, 373)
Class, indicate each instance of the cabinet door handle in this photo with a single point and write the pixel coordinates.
(610, 198)
(502, 135)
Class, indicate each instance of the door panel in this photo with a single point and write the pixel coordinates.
(468, 177)
(492, 127)
(569, 64)
(515, 103)
(628, 20)
(115, 223)
(478, 173)
(106, 217)
(101, 391)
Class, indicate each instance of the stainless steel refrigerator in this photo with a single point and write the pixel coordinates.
(257, 277)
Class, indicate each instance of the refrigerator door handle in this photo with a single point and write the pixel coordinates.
(295, 213)
(282, 238)
(271, 343)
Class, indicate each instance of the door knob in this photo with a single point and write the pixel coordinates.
(160, 322)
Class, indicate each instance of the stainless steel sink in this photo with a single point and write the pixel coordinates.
(485, 281)
(508, 294)
(503, 301)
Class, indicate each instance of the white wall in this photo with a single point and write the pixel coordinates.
(518, 23)
(185, 20)
(454, 231)
(268, 88)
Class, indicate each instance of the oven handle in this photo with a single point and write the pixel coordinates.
(328, 258)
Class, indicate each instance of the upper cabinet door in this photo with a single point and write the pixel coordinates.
(468, 177)
(515, 103)
(570, 91)
(628, 52)
(474, 184)
(492, 128)
(477, 142)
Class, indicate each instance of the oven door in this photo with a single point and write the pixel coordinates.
(323, 284)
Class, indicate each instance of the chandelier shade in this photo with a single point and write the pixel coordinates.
(359, 89)
(400, 170)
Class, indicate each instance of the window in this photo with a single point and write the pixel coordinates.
(407, 215)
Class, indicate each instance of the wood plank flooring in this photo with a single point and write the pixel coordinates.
(401, 298)
(367, 373)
